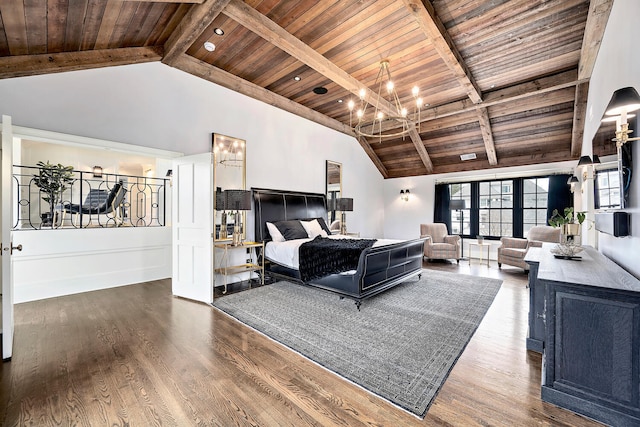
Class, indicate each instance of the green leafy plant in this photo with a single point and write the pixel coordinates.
(557, 219)
(53, 180)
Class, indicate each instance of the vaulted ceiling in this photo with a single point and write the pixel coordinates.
(504, 80)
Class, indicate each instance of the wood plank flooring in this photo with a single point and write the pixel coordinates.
(136, 356)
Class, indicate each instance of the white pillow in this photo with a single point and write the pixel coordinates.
(276, 235)
(313, 228)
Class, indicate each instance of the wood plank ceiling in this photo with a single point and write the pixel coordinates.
(504, 80)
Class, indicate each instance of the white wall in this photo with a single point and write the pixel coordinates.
(154, 105)
(617, 66)
(62, 262)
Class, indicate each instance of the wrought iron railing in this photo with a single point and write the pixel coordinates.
(90, 201)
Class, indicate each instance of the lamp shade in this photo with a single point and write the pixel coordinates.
(344, 204)
(625, 99)
(585, 160)
(457, 204)
(596, 159)
(572, 180)
(237, 200)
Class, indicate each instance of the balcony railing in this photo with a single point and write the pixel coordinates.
(87, 202)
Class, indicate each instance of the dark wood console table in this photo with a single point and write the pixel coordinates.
(590, 313)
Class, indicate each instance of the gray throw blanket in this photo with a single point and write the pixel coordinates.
(323, 256)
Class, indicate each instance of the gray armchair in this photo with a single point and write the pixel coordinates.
(440, 244)
(512, 249)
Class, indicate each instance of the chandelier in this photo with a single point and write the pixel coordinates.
(383, 119)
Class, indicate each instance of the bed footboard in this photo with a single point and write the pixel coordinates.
(379, 269)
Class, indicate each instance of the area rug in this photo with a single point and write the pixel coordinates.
(401, 345)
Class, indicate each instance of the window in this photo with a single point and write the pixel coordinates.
(501, 207)
(607, 189)
(496, 208)
(461, 219)
(534, 203)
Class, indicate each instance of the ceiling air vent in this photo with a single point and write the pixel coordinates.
(469, 156)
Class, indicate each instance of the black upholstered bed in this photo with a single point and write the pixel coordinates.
(379, 268)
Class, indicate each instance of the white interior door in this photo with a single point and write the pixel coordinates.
(7, 238)
(193, 227)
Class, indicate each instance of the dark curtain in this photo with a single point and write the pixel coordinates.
(559, 196)
(441, 212)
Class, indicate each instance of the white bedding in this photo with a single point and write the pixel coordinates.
(286, 253)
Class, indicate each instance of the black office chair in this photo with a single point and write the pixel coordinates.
(99, 202)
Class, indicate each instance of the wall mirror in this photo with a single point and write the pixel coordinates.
(612, 179)
(228, 174)
(334, 187)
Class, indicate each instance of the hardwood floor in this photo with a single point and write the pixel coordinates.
(137, 356)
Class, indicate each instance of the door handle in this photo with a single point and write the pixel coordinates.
(11, 248)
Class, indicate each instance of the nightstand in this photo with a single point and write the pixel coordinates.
(254, 263)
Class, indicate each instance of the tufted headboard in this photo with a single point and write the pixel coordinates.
(278, 205)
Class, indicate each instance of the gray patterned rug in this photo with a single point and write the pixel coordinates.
(401, 345)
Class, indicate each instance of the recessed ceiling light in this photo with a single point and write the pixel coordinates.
(297, 78)
(469, 156)
(209, 46)
(339, 101)
(320, 90)
(219, 31)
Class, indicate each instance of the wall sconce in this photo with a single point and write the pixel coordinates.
(623, 101)
(584, 163)
(404, 195)
(97, 171)
(572, 182)
(170, 176)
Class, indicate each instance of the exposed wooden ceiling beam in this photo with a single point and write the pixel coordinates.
(432, 26)
(599, 11)
(547, 157)
(254, 21)
(192, 25)
(487, 136)
(509, 94)
(31, 65)
(278, 36)
(420, 148)
(521, 91)
(579, 115)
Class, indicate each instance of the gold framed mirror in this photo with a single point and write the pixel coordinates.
(333, 189)
(229, 173)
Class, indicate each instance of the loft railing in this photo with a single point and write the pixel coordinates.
(85, 202)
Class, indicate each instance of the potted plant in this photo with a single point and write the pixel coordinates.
(52, 180)
(567, 221)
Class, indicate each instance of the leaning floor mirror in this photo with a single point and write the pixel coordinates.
(334, 191)
(228, 174)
